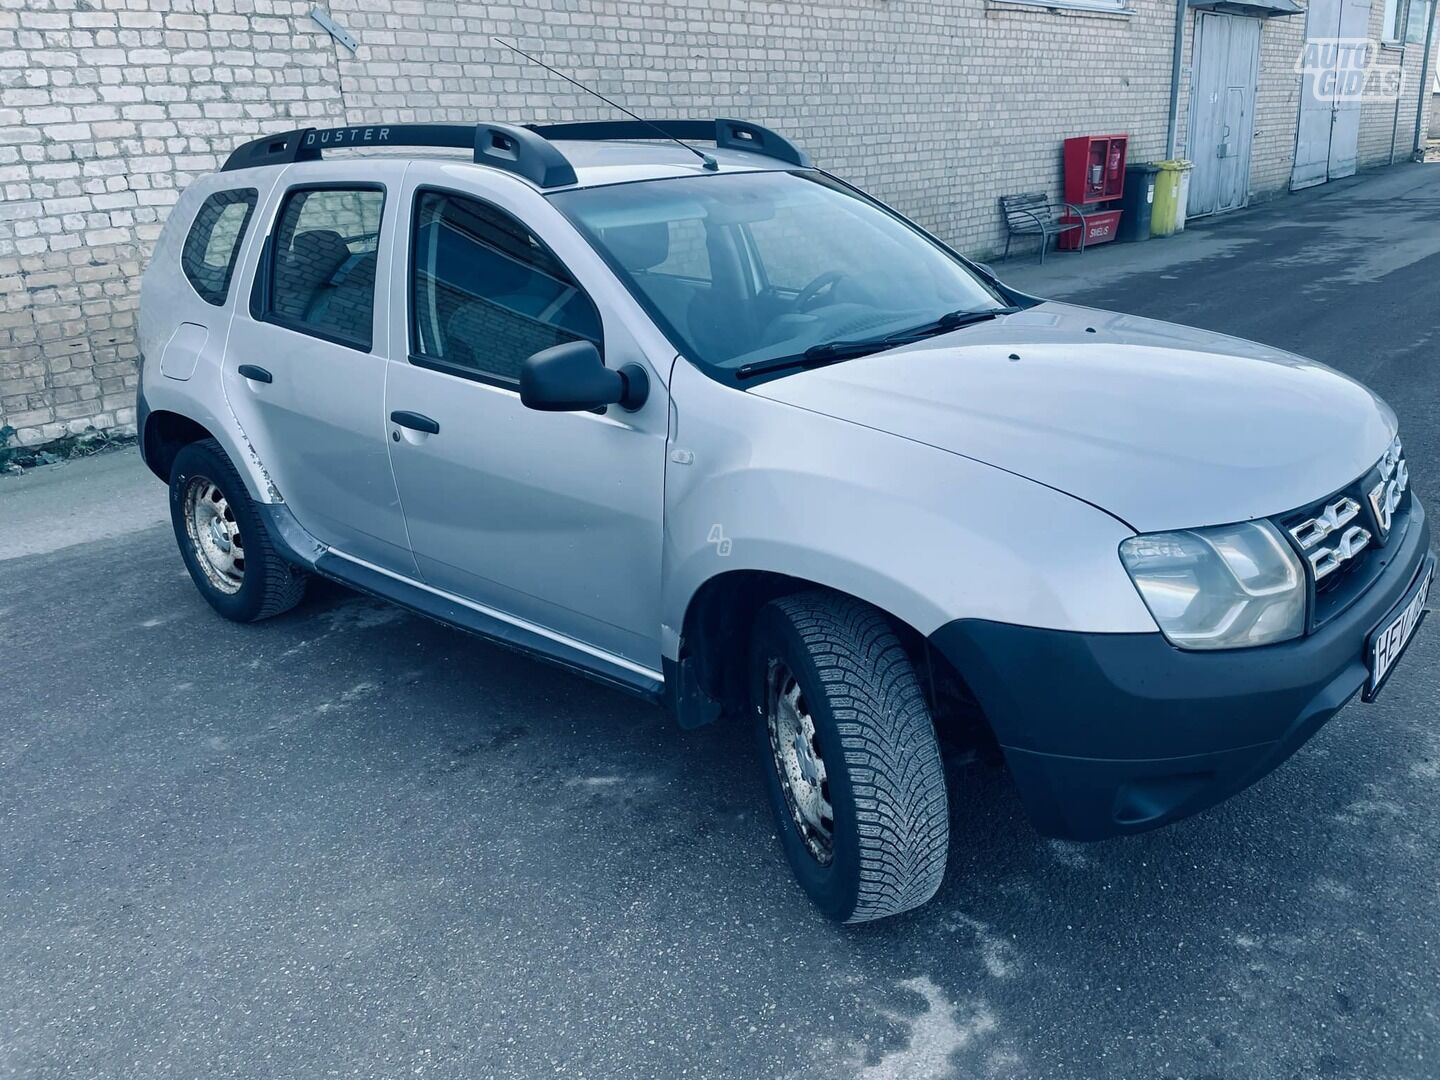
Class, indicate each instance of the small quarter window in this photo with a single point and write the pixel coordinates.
(485, 293)
(213, 244)
(322, 280)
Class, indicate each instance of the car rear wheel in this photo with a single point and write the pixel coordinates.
(851, 760)
(223, 541)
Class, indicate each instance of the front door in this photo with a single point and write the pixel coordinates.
(306, 377)
(550, 518)
(1222, 111)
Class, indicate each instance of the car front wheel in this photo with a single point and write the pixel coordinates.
(852, 763)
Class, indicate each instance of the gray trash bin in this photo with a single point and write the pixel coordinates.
(1138, 201)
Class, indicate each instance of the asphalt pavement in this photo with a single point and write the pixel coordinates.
(351, 842)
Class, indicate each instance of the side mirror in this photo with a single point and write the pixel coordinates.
(987, 270)
(573, 378)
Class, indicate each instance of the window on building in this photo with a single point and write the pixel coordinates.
(212, 246)
(1392, 26)
(322, 278)
(1082, 5)
(1418, 21)
(486, 294)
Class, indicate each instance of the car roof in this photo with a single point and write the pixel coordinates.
(613, 162)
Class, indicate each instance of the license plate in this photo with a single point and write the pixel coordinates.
(1388, 642)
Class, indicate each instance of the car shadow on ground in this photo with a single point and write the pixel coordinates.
(583, 740)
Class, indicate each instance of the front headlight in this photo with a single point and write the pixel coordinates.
(1220, 588)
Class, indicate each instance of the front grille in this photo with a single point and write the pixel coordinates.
(1347, 539)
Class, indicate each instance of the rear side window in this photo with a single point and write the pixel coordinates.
(213, 244)
(485, 293)
(322, 273)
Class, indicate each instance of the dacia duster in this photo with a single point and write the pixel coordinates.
(722, 431)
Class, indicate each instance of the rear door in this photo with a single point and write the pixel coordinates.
(553, 519)
(305, 373)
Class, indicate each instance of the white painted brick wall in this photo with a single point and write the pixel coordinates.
(1387, 129)
(109, 107)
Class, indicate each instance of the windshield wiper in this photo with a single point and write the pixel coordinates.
(951, 320)
(825, 353)
(830, 351)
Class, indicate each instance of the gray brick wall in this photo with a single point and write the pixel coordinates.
(1387, 129)
(109, 107)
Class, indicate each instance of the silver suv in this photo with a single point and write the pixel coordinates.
(720, 430)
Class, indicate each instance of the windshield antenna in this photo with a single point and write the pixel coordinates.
(705, 159)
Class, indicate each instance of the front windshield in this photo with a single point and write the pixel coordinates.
(739, 268)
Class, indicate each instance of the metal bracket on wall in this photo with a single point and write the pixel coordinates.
(334, 29)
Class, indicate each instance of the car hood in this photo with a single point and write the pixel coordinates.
(1164, 426)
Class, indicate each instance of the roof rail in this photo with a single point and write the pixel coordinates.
(525, 151)
(505, 146)
(724, 133)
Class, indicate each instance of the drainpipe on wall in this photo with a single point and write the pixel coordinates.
(1420, 134)
(1177, 54)
(1395, 124)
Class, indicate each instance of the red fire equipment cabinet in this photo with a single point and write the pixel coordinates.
(1095, 168)
(1094, 175)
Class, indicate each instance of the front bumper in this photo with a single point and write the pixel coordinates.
(1117, 733)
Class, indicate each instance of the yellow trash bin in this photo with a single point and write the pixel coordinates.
(1165, 218)
(1184, 195)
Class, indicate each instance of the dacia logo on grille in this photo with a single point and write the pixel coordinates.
(1386, 495)
(1310, 535)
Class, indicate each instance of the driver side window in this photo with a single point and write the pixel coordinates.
(485, 293)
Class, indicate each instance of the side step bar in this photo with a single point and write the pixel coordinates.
(303, 549)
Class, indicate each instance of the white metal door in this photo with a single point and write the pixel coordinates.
(1222, 112)
(1328, 134)
(1345, 132)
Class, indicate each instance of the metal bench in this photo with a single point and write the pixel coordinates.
(1031, 214)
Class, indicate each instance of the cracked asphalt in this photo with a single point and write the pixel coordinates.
(350, 842)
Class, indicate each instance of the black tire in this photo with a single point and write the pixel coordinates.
(267, 585)
(872, 728)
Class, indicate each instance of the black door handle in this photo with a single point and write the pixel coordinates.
(415, 422)
(256, 374)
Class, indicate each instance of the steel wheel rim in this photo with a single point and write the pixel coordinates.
(214, 534)
(799, 763)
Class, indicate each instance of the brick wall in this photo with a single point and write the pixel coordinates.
(937, 107)
(1277, 106)
(109, 107)
(1387, 129)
